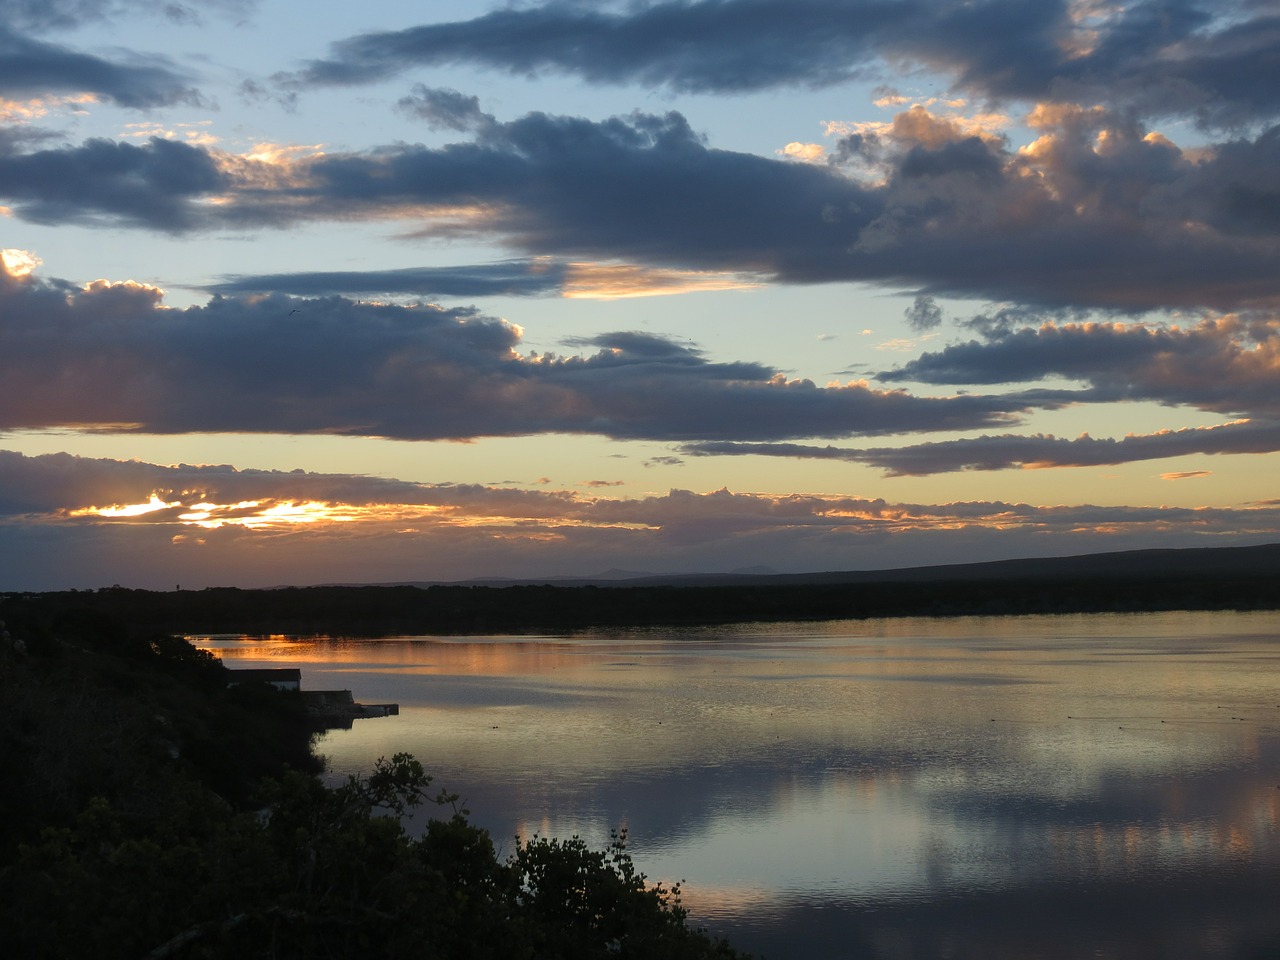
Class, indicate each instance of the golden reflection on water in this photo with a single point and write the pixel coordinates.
(852, 760)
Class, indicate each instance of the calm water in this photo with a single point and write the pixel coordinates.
(1081, 786)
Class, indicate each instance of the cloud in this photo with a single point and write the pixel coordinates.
(63, 485)
(696, 47)
(445, 109)
(158, 184)
(1012, 451)
(17, 116)
(30, 67)
(41, 15)
(616, 281)
(267, 527)
(1214, 62)
(1096, 212)
(923, 314)
(1161, 58)
(111, 354)
(641, 189)
(17, 262)
(539, 276)
(506, 278)
(1227, 365)
(1223, 364)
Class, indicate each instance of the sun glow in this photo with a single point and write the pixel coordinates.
(128, 510)
(257, 514)
(261, 515)
(284, 153)
(18, 263)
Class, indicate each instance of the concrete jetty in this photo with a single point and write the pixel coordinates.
(335, 709)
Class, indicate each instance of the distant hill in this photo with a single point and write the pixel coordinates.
(1209, 563)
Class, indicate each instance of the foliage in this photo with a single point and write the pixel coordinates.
(133, 833)
(321, 872)
(590, 903)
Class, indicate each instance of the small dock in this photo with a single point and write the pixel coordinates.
(335, 709)
(338, 708)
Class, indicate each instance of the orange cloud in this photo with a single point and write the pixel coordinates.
(616, 281)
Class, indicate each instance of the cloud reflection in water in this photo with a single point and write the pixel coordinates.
(982, 787)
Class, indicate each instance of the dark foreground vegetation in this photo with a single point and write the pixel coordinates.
(148, 810)
(1245, 578)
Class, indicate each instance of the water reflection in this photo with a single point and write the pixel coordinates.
(824, 790)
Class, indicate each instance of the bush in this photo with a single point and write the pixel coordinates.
(325, 872)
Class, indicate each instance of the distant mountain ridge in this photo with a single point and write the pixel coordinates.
(1210, 563)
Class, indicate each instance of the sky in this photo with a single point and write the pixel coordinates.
(410, 290)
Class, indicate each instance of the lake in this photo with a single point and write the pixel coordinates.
(1006, 787)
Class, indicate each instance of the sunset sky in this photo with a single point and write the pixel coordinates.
(414, 290)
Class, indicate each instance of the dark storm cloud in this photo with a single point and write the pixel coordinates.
(33, 68)
(1095, 213)
(1009, 451)
(1228, 365)
(112, 355)
(1212, 61)
(525, 278)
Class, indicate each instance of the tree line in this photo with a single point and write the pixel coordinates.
(442, 609)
